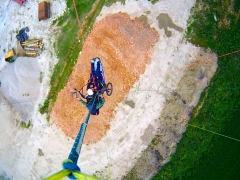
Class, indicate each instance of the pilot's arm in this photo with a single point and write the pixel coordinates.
(100, 103)
(83, 96)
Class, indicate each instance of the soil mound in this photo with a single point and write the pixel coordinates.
(125, 47)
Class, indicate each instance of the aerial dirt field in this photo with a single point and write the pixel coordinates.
(157, 77)
(125, 47)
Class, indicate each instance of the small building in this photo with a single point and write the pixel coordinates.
(43, 10)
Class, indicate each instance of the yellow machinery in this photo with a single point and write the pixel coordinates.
(29, 48)
(25, 47)
(10, 56)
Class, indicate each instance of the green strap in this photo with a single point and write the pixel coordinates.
(83, 176)
(66, 172)
(59, 175)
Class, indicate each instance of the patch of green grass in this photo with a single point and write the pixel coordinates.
(132, 175)
(155, 140)
(154, 1)
(26, 125)
(201, 154)
(110, 2)
(41, 77)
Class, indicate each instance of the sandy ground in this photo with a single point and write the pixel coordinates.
(146, 109)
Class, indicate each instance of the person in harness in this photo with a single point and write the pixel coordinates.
(96, 87)
(94, 100)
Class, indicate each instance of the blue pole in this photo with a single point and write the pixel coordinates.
(74, 154)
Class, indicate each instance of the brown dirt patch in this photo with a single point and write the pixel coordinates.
(125, 47)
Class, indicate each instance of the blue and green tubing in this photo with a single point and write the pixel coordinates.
(70, 167)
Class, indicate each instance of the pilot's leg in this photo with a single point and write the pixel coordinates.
(100, 103)
(83, 103)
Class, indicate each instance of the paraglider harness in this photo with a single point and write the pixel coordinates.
(96, 87)
(88, 99)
